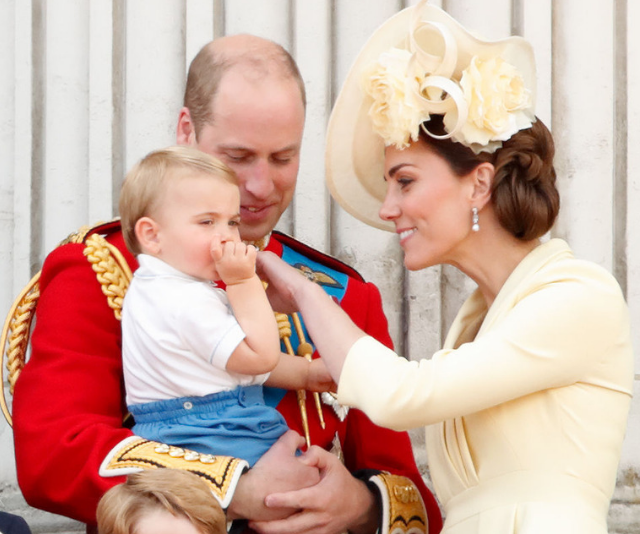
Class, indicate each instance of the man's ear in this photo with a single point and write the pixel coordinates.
(483, 176)
(146, 230)
(186, 133)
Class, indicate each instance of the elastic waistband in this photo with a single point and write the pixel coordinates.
(165, 410)
(527, 486)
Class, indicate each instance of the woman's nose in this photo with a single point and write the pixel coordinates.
(390, 209)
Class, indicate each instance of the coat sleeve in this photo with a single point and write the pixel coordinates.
(571, 327)
(367, 446)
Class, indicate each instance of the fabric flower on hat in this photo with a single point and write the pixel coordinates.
(484, 100)
(396, 113)
(499, 105)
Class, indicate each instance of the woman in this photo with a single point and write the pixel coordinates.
(526, 404)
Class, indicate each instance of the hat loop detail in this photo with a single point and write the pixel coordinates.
(442, 66)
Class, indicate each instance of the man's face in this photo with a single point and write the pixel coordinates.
(257, 130)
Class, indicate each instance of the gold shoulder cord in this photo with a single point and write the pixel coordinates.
(305, 350)
(17, 327)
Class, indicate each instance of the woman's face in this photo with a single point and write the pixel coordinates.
(429, 204)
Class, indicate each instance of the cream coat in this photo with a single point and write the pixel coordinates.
(526, 404)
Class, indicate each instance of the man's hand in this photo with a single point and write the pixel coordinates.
(234, 260)
(279, 469)
(339, 502)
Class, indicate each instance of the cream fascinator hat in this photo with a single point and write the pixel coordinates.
(422, 62)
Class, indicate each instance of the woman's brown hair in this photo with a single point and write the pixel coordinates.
(524, 193)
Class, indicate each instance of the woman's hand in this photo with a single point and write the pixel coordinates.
(284, 282)
(290, 291)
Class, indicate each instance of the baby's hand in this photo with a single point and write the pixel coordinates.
(319, 377)
(235, 261)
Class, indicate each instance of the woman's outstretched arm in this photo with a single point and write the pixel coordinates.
(290, 291)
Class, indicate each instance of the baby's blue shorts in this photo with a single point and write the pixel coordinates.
(230, 423)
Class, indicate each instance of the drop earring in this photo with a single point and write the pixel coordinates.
(474, 220)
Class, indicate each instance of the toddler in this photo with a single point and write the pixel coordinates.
(195, 356)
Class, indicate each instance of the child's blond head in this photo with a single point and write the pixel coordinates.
(146, 181)
(180, 493)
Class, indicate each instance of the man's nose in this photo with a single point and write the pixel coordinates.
(259, 179)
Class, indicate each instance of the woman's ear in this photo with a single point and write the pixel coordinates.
(483, 176)
(147, 230)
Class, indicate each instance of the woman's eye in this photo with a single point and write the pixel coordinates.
(404, 182)
(206, 222)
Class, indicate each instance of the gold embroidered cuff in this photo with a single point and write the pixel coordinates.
(403, 510)
(135, 454)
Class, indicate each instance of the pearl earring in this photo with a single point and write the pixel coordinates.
(474, 220)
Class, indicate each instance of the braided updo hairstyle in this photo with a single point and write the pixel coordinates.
(524, 193)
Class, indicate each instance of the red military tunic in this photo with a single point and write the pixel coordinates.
(68, 404)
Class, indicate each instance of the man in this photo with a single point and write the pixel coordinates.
(245, 104)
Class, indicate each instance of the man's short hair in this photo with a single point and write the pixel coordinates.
(145, 182)
(209, 66)
(178, 492)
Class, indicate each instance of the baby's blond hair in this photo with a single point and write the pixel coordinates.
(146, 181)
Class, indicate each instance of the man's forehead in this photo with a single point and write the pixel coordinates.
(237, 85)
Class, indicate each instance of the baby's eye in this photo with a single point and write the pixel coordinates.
(234, 223)
(206, 222)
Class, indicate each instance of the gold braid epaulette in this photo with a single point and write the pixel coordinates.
(112, 270)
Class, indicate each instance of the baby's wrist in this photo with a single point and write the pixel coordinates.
(234, 281)
(307, 371)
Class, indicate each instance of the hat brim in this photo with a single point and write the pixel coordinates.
(354, 158)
